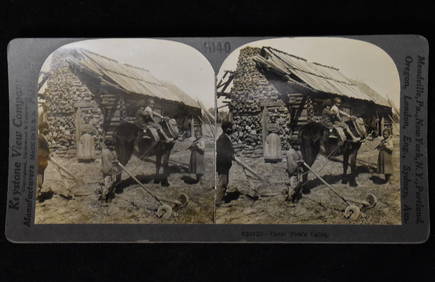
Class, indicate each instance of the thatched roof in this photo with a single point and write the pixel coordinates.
(316, 76)
(131, 79)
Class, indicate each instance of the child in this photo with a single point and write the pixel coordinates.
(197, 156)
(109, 168)
(385, 162)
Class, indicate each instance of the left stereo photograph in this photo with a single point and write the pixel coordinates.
(125, 134)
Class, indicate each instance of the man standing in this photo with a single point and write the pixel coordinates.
(224, 160)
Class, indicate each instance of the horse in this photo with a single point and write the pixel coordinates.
(128, 134)
(315, 136)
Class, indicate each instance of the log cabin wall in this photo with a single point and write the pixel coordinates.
(117, 106)
(108, 99)
(68, 99)
(255, 104)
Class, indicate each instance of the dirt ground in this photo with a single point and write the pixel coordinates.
(131, 203)
(320, 206)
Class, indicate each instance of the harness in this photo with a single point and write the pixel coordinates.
(357, 124)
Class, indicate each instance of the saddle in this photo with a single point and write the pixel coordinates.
(357, 127)
(337, 132)
(150, 132)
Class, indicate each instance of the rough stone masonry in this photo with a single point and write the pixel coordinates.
(250, 92)
(63, 96)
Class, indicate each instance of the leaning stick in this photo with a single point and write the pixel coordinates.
(157, 198)
(245, 166)
(251, 185)
(64, 169)
(209, 126)
(326, 183)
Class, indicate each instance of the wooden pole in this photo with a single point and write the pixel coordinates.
(209, 126)
(192, 127)
(245, 166)
(346, 200)
(78, 124)
(251, 185)
(264, 119)
(326, 183)
(55, 162)
(157, 198)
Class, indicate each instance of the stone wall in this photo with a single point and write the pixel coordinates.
(63, 96)
(250, 93)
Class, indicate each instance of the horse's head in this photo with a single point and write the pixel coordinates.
(361, 126)
(372, 124)
(173, 128)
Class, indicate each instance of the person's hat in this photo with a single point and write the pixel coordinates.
(226, 124)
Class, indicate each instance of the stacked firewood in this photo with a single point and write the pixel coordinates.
(250, 95)
(64, 95)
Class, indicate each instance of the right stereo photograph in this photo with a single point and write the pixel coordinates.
(308, 133)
